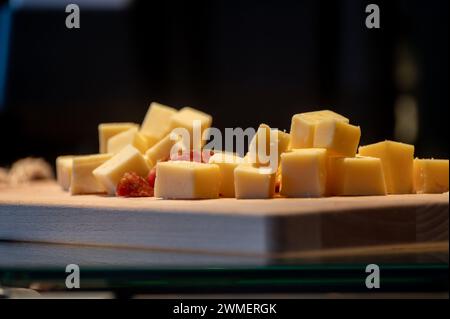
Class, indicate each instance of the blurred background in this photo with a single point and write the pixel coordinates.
(244, 62)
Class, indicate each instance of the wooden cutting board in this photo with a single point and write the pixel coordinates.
(42, 213)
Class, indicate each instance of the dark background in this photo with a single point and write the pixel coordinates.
(244, 62)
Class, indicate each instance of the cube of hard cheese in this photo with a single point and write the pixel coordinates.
(161, 151)
(131, 137)
(262, 144)
(355, 176)
(83, 180)
(64, 171)
(127, 160)
(187, 180)
(251, 183)
(186, 119)
(303, 127)
(304, 173)
(430, 176)
(227, 162)
(108, 130)
(157, 122)
(186, 116)
(397, 159)
(338, 137)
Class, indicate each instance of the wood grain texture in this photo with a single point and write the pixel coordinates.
(42, 212)
(41, 255)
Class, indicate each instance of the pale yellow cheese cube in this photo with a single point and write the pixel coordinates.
(188, 118)
(338, 137)
(129, 137)
(157, 122)
(303, 127)
(108, 130)
(64, 171)
(264, 142)
(227, 162)
(162, 151)
(356, 176)
(430, 176)
(304, 173)
(83, 180)
(251, 182)
(129, 159)
(187, 180)
(397, 159)
(259, 146)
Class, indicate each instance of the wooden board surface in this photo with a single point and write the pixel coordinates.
(41, 255)
(43, 213)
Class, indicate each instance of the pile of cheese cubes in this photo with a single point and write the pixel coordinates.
(319, 157)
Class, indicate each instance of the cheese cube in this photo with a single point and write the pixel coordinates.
(304, 173)
(187, 118)
(127, 160)
(303, 127)
(108, 130)
(251, 183)
(430, 176)
(64, 171)
(259, 147)
(283, 140)
(338, 137)
(262, 144)
(227, 162)
(162, 150)
(187, 180)
(356, 176)
(157, 122)
(83, 180)
(130, 137)
(397, 159)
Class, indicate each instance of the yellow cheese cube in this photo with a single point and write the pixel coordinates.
(259, 147)
(304, 173)
(355, 176)
(187, 180)
(338, 137)
(262, 144)
(130, 137)
(64, 171)
(430, 176)
(108, 130)
(397, 159)
(303, 127)
(83, 180)
(227, 162)
(251, 183)
(129, 159)
(161, 151)
(283, 140)
(157, 122)
(186, 118)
